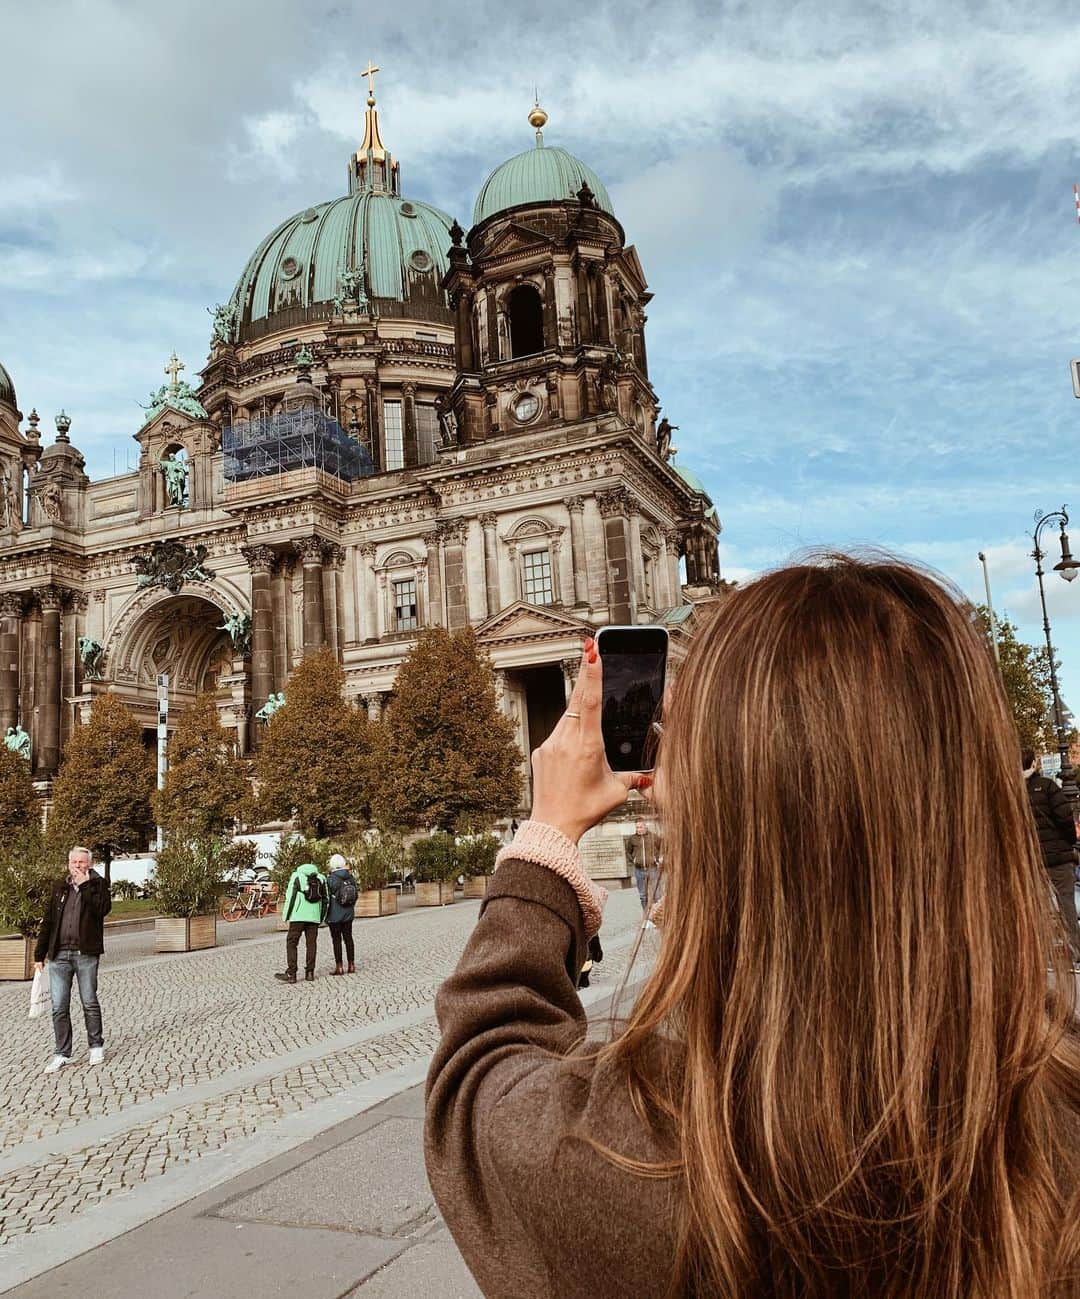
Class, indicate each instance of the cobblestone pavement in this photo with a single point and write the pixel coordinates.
(179, 1028)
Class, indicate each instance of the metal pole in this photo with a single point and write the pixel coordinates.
(1068, 781)
(162, 740)
(990, 610)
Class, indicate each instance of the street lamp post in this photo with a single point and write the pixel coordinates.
(1068, 568)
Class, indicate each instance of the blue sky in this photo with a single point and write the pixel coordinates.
(857, 221)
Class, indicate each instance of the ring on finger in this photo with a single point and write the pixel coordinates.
(568, 713)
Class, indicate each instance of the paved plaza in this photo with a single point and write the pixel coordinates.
(248, 1110)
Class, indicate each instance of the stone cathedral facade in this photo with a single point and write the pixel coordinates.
(401, 423)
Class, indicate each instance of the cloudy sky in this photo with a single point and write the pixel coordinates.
(857, 221)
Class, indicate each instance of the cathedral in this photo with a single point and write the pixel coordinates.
(401, 423)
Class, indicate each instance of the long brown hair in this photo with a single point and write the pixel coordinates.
(880, 1094)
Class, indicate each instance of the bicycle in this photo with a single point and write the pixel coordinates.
(250, 900)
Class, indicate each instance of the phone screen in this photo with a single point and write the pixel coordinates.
(635, 661)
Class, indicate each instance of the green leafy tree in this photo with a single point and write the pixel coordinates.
(206, 788)
(27, 875)
(102, 794)
(1025, 674)
(446, 755)
(18, 799)
(190, 873)
(312, 761)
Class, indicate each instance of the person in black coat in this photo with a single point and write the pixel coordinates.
(72, 939)
(1056, 828)
(340, 913)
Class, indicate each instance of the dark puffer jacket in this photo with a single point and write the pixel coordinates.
(1053, 815)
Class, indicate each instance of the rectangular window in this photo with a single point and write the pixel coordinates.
(395, 443)
(536, 572)
(426, 424)
(405, 605)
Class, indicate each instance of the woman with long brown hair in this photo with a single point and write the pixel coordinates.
(849, 1073)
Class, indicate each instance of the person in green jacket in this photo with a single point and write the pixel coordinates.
(303, 916)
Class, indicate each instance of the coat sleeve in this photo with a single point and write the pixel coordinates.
(41, 947)
(1062, 812)
(509, 1016)
(99, 899)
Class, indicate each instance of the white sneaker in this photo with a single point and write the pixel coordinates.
(97, 1055)
(57, 1063)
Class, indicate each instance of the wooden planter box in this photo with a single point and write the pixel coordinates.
(185, 934)
(16, 958)
(435, 895)
(377, 902)
(476, 886)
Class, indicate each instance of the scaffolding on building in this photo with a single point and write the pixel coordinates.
(298, 436)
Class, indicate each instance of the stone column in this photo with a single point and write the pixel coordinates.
(673, 537)
(47, 758)
(603, 317)
(371, 595)
(373, 402)
(260, 561)
(551, 319)
(584, 310)
(80, 602)
(570, 673)
(462, 305)
(662, 597)
(637, 565)
(456, 583)
(408, 423)
(491, 564)
(614, 507)
(10, 631)
(333, 564)
(434, 579)
(579, 555)
(374, 705)
(310, 550)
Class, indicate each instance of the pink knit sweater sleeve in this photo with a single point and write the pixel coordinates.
(546, 846)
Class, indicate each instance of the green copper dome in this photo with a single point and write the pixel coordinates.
(7, 388)
(690, 479)
(539, 175)
(371, 248)
(399, 246)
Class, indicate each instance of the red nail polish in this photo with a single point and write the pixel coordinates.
(644, 782)
(590, 644)
(592, 656)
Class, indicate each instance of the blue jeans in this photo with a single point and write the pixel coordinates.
(63, 968)
(648, 885)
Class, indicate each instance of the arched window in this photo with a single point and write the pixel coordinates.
(525, 309)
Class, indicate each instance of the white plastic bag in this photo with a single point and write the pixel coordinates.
(40, 998)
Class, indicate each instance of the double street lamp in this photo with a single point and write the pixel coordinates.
(1068, 568)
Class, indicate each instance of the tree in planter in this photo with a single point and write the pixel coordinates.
(18, 799)
(477, 853)
(376, 858)
(435, 859)
(206, 789)
(101, 796)
(312, 761)
(446, 755)
(190, 873)
(28, 873)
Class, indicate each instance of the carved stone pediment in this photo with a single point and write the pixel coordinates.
(523, 621)
(170, 564)
(514, 239)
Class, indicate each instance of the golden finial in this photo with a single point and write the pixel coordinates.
(372, 144)
(537, 119)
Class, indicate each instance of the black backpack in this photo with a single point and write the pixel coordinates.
(313, 887)
(347, 892)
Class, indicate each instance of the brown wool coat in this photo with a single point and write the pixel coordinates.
(511, 1098)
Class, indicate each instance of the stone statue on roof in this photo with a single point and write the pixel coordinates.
(238, 625)
(224, 318)
(273, 703)
(92, 657)
(176, 474)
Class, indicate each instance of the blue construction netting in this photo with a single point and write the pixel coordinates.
(301, 438)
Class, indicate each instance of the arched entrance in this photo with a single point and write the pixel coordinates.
(182, 636)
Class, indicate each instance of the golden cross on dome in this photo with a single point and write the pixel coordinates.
(369, 72)
(174, 367)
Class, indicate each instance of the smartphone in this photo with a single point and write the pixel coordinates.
(635, 664)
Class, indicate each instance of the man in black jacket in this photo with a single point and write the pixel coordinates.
(72, 939)
(1056, 828)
